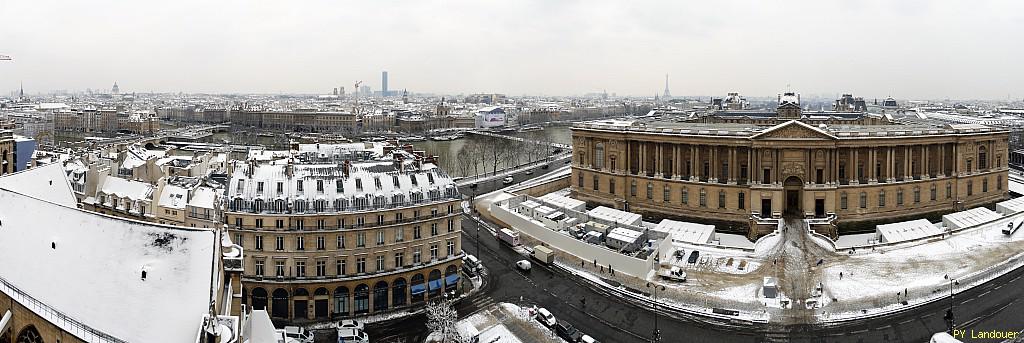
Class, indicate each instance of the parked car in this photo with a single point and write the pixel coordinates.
(299, 334)
(588, 339)
(680, 254)
(472, 185)
(529, 172)
(507, 180)
(545, 317)
(350, 324)
(674, 273)
(524, 265)
(693, 257)
(351, 335)
(544, 166)
(568, 332)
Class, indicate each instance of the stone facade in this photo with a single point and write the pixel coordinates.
(730, 172)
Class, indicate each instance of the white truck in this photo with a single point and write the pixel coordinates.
(673, 273)
(543, 254)
(508, 236)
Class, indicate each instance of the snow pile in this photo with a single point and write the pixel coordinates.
(135, 281)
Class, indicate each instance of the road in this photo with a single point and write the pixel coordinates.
(994, 305)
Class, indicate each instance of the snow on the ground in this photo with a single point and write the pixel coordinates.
(89, 267)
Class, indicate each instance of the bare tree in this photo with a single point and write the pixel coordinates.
(441, 318)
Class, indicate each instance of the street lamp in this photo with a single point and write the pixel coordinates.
(949, 313)
(656, 335)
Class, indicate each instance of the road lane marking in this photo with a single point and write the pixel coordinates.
(982, 294)
(966, 301)
(906, 321)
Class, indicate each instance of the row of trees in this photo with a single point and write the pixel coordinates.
(487, 154)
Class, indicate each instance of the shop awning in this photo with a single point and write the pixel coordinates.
(451, 280)
(419, 289)
(435, 284)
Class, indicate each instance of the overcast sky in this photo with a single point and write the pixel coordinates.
(908, 49)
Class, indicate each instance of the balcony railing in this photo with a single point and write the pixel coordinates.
(56, 317)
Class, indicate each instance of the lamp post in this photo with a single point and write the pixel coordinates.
(949, 313)
(656, 335)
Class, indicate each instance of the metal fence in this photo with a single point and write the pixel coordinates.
(56, 317)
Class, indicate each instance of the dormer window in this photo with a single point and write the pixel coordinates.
(341, 186)
(430, 178)
(413, 179)
(394, 178)
(280, 187)
(259, 187)
(320, 186)
(298, 185)
(376, 182)
(359, 184)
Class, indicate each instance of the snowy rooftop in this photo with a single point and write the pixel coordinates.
(612, 215)
(563, 201)
(1010, 206)
(624, 234)
(969, 218)
(687, 232)
(89, 267)
(906, 231)
(47, 182)
(134, 190)
(174, 197)
(203, 197)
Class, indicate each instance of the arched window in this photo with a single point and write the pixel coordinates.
(398, 293)
(599, 156)
(257, 205)
(29, 335)
(434, 283)
(341, 301)
(280, 206)
(259, 298)
(362, 299)
(380, 296)
(279, 303)
(418, 288)
(301, 303)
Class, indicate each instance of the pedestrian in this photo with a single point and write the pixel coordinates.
(840, 275)
(602, 269)
(905, 292)
(582, 263)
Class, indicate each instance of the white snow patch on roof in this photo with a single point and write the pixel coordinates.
(49, 183)
(93, 270)
(173, 197)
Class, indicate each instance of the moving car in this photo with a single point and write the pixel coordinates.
(529, 172)
(674, 273)
(471, 262)
(568, 332)
(544, 166)
(523, 265)
(507, 180)
(693, 257)
(545, 317)
(298, 333)
(350, 335)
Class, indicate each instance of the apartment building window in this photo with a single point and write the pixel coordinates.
(300, 268)
(451, 225)
(451, 248)
(259, 187)
(399, 217)
(416, 256)
(279, 244)
(359, 184)
(380, 263)
(259, 223)
(258, 239)
(299, 224)
(259, 267)
(298, 185)
(399, 234)
(279, 268)
(399, 259)
(376, 182)
(380, 219)
(321, 243)
(341, 223)
(360, 265)
(433, 212)
(361, 239)
(433, 229)
(300, 243)
(433, 251)
(341, 241)
(416, 232)
(321, 224)
(741, 200)
(279, 223)
(341, 267)
(280, 187)
(380, 237)
(321, 268)
(320, 186)
(340, 186)
(842, 201)
(360, 221)
(415, 214)
(238, 239)
(238, 222)
(686, 196)
(451, 209)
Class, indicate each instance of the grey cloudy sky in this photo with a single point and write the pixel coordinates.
(909, 49)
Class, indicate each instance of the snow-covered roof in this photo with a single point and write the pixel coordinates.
(48, 182)
(259, 328)
(135, 190)
(686, 232)
(89, 267)
(968, 218)
(906, 231)
(203, 197)
(173, 197)
(624, 235)
(564, 201)
(612, 215)
(1011, 206)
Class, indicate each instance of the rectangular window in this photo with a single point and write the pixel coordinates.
(451, 225)
(842, 201)
(820, 176)
(380, 219)
(321, 268)
(321, 224)
(863, 200)
(984, 185)
(320, 186)
(416, 232)
(399, 260)
(238, 222)
(451, 248)
(399, 234)
(399, 217)
(360, 221)
(340, 267)
(416, 256)
(299, 224)
(238, 239)
(380, 237)
(433, 251)
(280, 187)
(741, 202)
(933, 193)
(899, 198)
(259, 187)
(341, 241)
(300, 243)
(361, 239)
(259, 267)
(766, 176)
(433, 229)
(597, 182)
(279, 246)
(881, 199)
(380, 263)
(721, 199)
(259, 223)
(579, 180)
(259, 242)
(703, 199)
(279, 268)
(360, 265)
(279, 223)
(686, 196)
(949, 190)
(917, 195)
(298, 185)
(321, 243)
(611, 186)
(970, 188)
(665, 195)
(300, 268)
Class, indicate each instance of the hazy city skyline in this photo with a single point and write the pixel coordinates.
(907, 49)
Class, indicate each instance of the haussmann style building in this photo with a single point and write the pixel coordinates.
(733, 166)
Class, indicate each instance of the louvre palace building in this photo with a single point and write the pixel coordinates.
(735, 165)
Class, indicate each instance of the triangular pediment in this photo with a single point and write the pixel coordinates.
(793, 130)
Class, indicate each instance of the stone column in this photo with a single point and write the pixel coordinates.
(643, 158)
(675, 161)
(693, 163)
(854, 170)
(658, 164)
(942, 160)
(925, 165)
(750, 165)
(732, 165)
